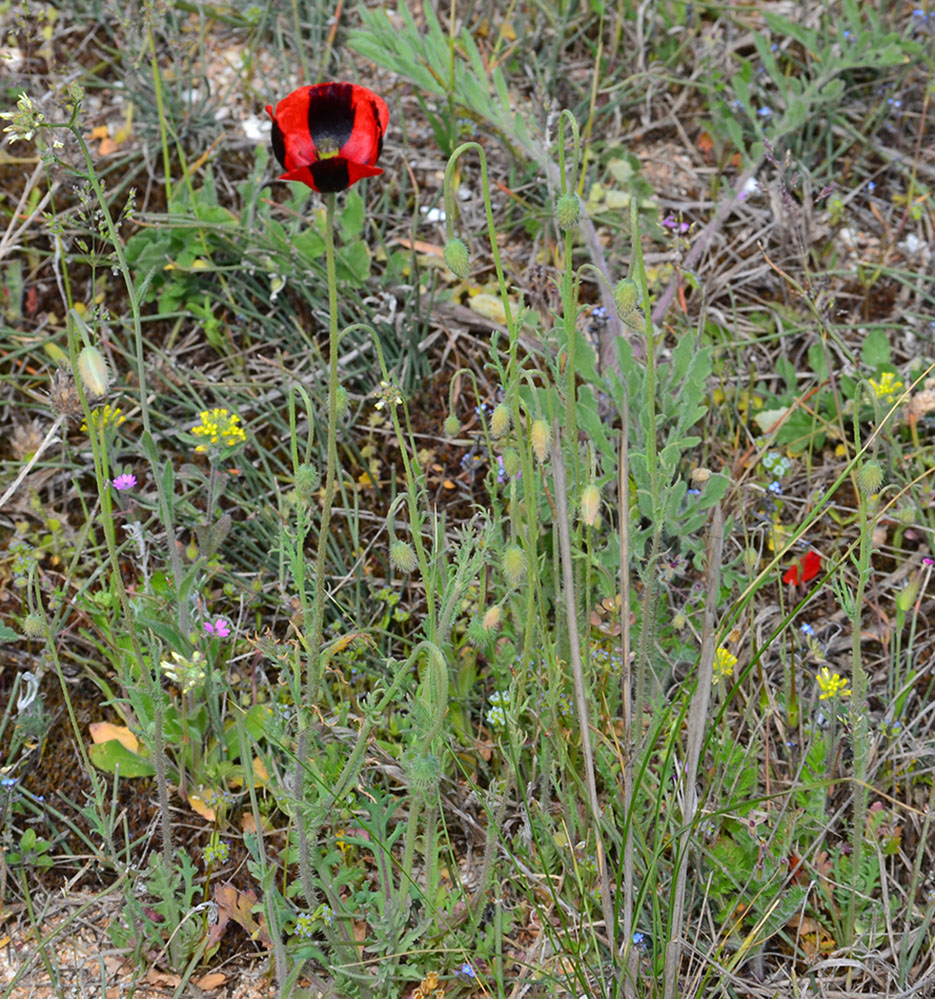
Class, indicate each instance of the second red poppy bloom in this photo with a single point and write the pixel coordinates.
(329, 135)
(805, 568)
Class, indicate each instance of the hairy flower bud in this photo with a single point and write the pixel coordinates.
(567, 212)
(540, 438)
(906, 597)
(93, 370)
(456, 257)
(590, 504)
(341, 402)
(870, 478)
(424, 774)
(626, 298)
(307, 480)
(491, 618)
(511, 463)
(402, 556)
(514, 565)
(500, 420)
(452, 425)
(34, 626)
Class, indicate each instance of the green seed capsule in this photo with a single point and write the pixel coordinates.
(567, 212)
(456, 257)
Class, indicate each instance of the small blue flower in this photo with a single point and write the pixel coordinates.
(467, 971)
(764, 112)
(305, 925)
(216, 854)
(8, 782)
(807, 629)
(871, 187)
(775, 488)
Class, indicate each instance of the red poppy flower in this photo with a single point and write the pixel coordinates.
(329, 135)
(805, 569)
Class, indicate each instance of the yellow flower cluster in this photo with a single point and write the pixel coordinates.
(724, 663)
(831, 685)
(103, 417)
(220, 427)
(888, 385)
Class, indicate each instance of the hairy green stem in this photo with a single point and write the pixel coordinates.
(313, 667)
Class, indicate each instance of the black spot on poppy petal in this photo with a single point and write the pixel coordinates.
(331, 116)
(330, 175)
(279, 144)
(377, 130)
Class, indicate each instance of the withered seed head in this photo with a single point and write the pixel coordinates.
(64, 396)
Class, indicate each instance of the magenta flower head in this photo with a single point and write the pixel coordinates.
(124, 482)
(220, 628)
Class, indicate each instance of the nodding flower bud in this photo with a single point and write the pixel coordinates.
(511, 463)
(424, 775)
(452, 425)
(514, 565)
(307, 480)
(93, 370)
(500, 420)
(870, 478)
(491, 618)
(567, 212)
(540, 437)
(34, 626)
(341, 402)
(590, 504)
(402, 556)
(456, 257)
(626, 298)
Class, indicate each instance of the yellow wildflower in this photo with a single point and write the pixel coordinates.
(220, 427)
(831, 685)
(724, 663)
(887, 386)
(104, 417)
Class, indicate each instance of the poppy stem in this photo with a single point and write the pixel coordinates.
(314, 660)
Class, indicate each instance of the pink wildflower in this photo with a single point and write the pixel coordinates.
(220, 628)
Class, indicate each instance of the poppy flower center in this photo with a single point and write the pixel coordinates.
(331, 119)
(327, 147)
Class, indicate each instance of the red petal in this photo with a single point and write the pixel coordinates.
(295, 147)
(811, 566)
(792, 575)
(371, 116)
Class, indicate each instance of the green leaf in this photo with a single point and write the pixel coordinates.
(352, 218)
(353, 263)
(875, 350)
(818, 360)
(309, 244)
(110, 755)
(7, 634)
